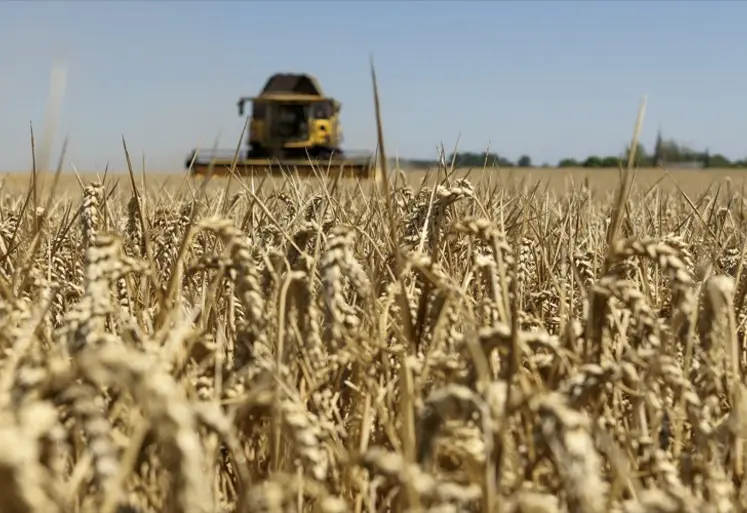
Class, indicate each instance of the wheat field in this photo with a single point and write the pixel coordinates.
(691, 181)
(470, 344)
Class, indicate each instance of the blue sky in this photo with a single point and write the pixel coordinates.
(551, 79)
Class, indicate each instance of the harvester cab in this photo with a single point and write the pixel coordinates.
(293, 123)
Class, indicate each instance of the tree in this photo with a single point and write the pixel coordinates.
(706, 158)
(656, 158)
(524, 161)
(641, 158)
(610, 162)
(719, 161)
(593, 161)
(569, 163)
(671, 151)
(477, 160)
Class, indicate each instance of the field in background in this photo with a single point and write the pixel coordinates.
(318, 352)
(556, 180)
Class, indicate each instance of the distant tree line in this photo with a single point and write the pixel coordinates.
(666, 152)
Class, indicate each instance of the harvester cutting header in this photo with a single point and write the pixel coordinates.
(293, 127)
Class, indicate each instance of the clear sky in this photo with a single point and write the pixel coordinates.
(551, 79)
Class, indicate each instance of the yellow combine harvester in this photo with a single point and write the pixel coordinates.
(293, 129)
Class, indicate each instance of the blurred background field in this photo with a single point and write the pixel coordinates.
(559, 181)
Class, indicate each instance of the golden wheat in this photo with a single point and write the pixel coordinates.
(245, 353)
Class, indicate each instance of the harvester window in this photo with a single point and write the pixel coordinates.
(323, 110)
(258, 110)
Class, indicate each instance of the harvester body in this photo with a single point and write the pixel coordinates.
(293, 127)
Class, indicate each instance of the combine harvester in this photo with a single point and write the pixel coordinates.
(293, 129)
